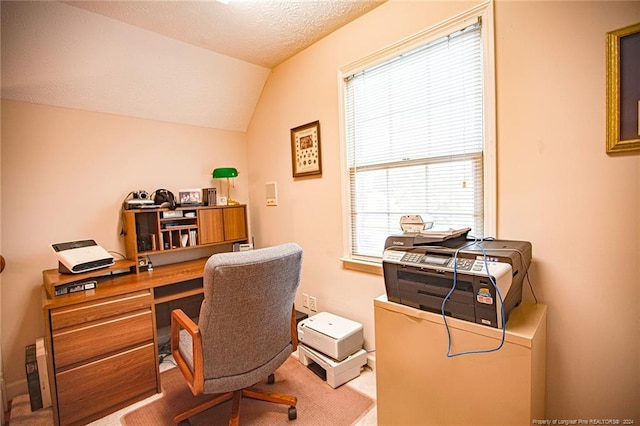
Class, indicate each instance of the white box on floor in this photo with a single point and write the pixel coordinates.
(43, 372)
(330, 334)
(338, 372)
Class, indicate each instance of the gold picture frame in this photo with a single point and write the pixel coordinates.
(306, 158)
(623, 89)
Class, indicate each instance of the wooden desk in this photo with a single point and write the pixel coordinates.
(418, 384)
(102, 344)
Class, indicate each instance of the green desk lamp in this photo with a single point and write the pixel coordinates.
(226, 172)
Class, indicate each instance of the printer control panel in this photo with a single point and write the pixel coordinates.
(437, 261)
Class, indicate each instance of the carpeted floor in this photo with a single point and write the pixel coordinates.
(318, 403)
(21, 413)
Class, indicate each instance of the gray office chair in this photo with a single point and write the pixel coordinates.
(245, 331)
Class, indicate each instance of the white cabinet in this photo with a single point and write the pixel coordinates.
(417, 384)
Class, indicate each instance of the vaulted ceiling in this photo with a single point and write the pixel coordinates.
(196, 62)
(261, 32)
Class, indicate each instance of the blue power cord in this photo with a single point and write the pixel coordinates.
(453, 287)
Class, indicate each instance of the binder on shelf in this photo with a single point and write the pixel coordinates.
(209, 195)
(43, 372)
(33, 379)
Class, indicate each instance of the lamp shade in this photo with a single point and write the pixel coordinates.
(225, 172)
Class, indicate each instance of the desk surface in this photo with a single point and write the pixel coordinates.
(115, 284)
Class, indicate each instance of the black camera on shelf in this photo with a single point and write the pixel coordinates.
(140, 195)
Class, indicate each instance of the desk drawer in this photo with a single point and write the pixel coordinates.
(99, 309)
(91, 340)
(87, 392)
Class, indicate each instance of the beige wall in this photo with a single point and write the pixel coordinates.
(580, 207)
(556, 186)
(65, 173)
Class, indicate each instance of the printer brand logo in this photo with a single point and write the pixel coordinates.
(397, 243)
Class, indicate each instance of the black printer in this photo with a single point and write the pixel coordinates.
(420, 270)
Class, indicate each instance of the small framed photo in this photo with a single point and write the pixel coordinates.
(190, 197)
(305, 150)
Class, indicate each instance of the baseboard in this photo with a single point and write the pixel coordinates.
(3, 399)
(16, 388)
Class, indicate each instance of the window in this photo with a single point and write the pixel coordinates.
(417, 137)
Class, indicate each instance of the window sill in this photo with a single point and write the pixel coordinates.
(362, 266)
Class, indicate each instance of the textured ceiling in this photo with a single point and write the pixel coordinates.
(261, 32)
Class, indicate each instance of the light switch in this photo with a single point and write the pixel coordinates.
(272, 194)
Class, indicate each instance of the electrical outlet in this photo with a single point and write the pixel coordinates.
(312, 304)
(305, 300)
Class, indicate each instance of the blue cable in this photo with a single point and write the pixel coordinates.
(453, 287)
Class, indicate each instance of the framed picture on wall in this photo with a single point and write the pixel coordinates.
(305, 150)
(623, 89)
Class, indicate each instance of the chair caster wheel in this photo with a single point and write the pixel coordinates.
(293, 413)
(271, 379)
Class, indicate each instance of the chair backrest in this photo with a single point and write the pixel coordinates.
(245, 318)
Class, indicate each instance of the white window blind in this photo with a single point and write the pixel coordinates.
(414, 140)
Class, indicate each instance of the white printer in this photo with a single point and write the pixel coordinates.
(332, 335)
(75, 257)
(334, 344)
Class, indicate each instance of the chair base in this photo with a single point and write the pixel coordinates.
(251, 392)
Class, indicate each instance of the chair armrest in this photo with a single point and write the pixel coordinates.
(181, 321)
(294, 329)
